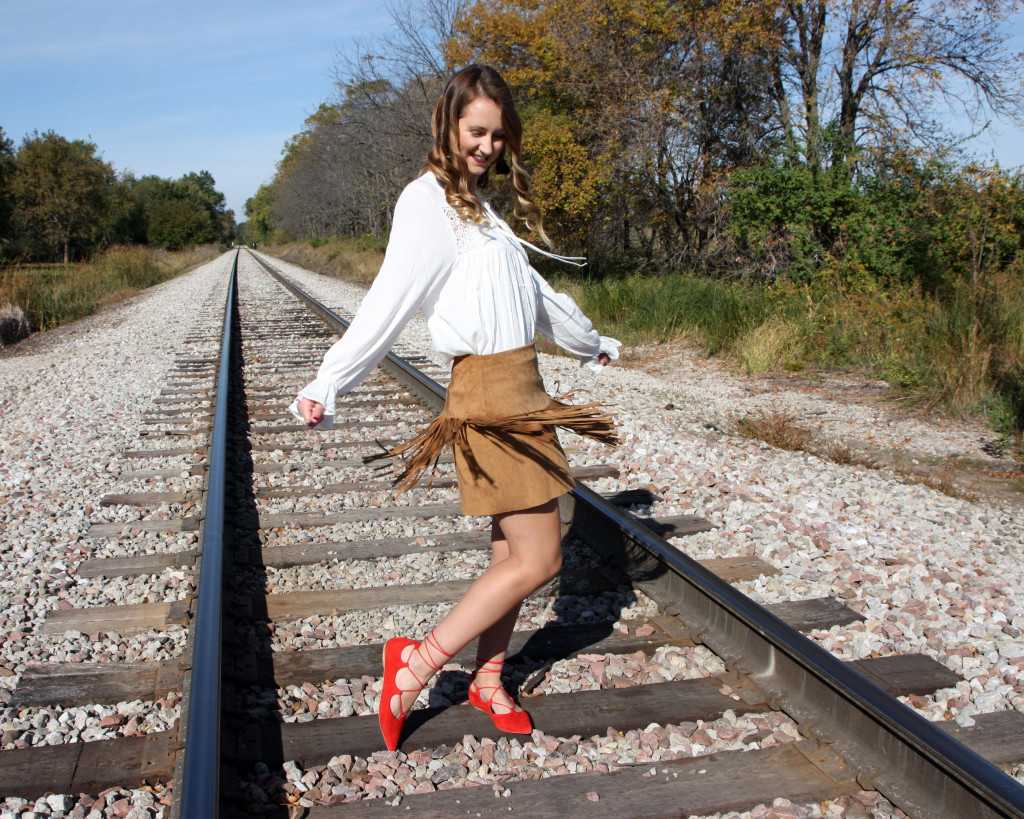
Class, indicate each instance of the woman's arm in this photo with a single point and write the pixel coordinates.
(420, 250)
(560, 319)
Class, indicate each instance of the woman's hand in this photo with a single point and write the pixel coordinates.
(312, 411)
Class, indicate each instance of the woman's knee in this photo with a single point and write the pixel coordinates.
(554, 566)
(543, 570)
(533, 573)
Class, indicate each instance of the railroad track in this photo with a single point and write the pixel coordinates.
(321, 564)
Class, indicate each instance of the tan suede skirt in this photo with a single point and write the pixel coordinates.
(500, 422)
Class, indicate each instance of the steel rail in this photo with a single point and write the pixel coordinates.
(920, 768)
(197, 775)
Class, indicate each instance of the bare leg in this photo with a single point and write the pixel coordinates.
(493, 645)
(534, 545)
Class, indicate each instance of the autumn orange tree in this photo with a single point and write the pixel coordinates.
(632, 108)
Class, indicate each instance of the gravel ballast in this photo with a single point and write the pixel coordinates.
(930, 573)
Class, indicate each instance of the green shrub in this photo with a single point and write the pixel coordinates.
(961, 350)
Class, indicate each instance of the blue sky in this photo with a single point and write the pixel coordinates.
(170, 86)
(166, 87)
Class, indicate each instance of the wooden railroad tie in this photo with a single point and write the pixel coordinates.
(85, 683)
(684, 787)
(89, 767)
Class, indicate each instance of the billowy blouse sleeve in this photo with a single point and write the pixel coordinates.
(560, 319)
(420, 251)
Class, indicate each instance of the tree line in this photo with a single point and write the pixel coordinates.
(59, 200)
(754, 140)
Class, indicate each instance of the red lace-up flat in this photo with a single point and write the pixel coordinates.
(516, 721)
(390, 725)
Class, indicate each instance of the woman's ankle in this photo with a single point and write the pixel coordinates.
(421, 669)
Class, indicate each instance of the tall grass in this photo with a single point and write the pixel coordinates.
(51, 295)
(961, 351)
(970, 354)
(659, 308)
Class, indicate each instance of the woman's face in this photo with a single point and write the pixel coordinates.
(481, 137)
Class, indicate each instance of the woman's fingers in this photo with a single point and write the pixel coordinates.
(312, 411)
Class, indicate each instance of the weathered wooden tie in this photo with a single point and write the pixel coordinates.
(84, 683)
(801, 771)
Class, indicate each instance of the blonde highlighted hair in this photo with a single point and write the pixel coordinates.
(447, 163)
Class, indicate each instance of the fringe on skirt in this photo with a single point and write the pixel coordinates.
(500, 423)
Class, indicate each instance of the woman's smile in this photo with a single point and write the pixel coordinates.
(481, 137)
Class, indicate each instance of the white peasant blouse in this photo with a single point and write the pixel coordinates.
(474, 284)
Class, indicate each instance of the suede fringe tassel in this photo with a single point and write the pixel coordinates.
(424, 450)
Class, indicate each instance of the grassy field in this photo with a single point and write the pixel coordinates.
(41, 297)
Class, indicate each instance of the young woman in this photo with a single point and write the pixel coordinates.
(453, 257)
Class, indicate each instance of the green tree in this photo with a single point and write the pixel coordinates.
(61, 188)
(150, 190)
(176, 223)
(259, 209)
(199, 190)
(7, 162)
(179, 212)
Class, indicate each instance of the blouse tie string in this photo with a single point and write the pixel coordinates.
(578, 261)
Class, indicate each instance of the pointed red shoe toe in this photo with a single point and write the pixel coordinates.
(390, 725)
(514, 722)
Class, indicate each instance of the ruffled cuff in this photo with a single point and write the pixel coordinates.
(324, 393)
(608, 346)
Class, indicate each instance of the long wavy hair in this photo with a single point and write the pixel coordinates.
(447, 163)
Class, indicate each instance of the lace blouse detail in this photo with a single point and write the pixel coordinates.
(468, 235)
